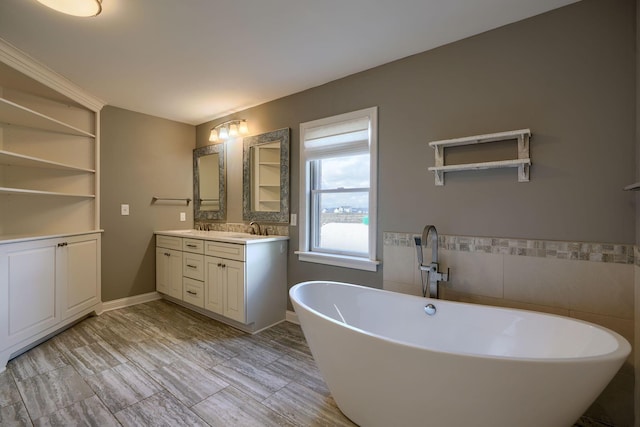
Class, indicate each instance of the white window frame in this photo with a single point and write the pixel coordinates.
(367, 262)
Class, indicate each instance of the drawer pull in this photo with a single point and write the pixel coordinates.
(192, 293)
(62, 244)
(167, 254)
(192, 266)
(191, 246)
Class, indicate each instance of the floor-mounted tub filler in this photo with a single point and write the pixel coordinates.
(391, 359)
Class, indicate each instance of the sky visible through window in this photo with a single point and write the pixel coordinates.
(345, 172)
(344, 216)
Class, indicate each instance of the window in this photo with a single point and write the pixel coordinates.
(338, 185)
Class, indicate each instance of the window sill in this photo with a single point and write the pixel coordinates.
(338, 260)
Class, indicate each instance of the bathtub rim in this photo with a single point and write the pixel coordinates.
(621, 352)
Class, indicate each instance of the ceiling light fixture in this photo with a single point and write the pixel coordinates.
(228, 129)
(84, 8)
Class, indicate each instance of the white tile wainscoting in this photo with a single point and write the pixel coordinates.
(587, 281)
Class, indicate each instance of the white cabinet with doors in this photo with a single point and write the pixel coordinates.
(169, 266)
(46, 284)
(225, 279)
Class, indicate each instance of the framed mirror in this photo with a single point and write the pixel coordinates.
(265, 177)
(209, 182)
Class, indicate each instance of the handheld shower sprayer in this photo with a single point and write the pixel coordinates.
(418, 241)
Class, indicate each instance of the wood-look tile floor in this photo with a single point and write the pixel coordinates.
(159, 364)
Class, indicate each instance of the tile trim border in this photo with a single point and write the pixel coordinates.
(577, 251)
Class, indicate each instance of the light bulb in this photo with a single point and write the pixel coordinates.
(244, 127)
(224, 133)
(213, 136)
(233, 130)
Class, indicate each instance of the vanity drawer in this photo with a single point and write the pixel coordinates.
(193, 266)
(193, 245)
(224, 250)
(169, 242)
(193, 292)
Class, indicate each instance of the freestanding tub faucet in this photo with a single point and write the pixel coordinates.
(432, 268)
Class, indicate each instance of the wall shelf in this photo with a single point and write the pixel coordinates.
(523, 161)
(8, 158)
(22, 191)
(14, 114)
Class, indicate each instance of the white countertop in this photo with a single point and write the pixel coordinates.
(17, 238)
(222, 236)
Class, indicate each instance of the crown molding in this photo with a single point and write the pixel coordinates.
(27, 65)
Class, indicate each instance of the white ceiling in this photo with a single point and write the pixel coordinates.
(196, 60)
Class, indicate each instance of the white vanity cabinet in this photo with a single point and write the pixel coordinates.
(238, 280)
(169, 266)
(46, 284)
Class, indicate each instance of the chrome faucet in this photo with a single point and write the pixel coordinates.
(432, 268)
(257, 227)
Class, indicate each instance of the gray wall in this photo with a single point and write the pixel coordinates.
(140, 157)
(569, 75)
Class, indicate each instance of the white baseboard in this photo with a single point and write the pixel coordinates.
(129, 301)
(292, 317)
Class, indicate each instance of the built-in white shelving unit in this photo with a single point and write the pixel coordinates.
(50, 241)
(49, 151)
(522, 163)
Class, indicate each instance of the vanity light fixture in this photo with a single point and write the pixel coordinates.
(228, 129)
(83, 8)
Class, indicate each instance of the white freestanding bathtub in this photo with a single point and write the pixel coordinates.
(388, 363)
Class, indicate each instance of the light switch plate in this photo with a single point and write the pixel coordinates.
(183, 216)
(294, 220)
(124, 209)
